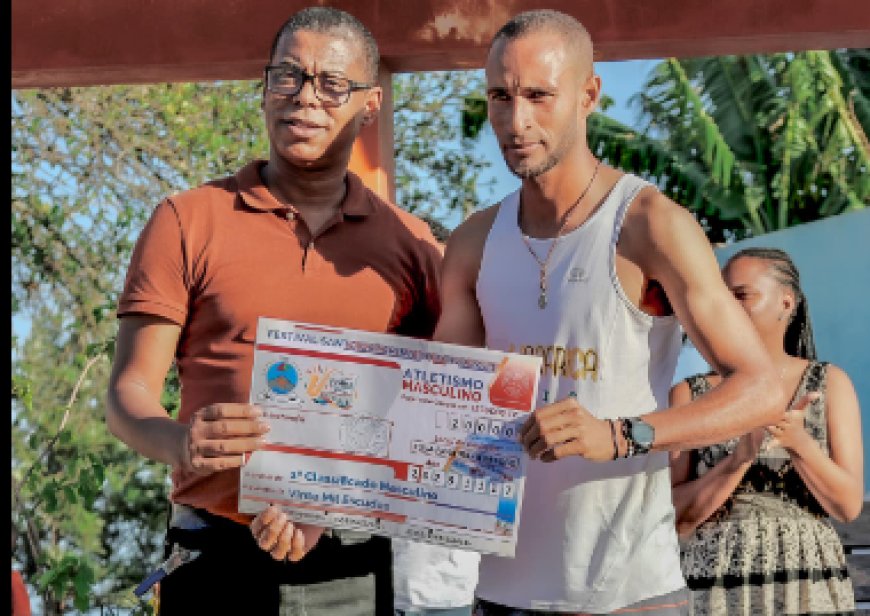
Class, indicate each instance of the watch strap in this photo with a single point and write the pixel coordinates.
(634, 447)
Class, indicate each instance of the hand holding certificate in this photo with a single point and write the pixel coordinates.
(390, 435)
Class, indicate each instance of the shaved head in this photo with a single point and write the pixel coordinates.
(573, 34)
(540, 89)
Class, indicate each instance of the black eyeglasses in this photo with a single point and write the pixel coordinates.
(330, 89)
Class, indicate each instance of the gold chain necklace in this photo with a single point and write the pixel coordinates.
(542, 283)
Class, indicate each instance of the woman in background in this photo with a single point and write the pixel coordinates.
(752, 513)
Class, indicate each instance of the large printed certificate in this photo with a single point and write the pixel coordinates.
(390, 435)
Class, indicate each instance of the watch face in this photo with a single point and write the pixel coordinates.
(642, 432)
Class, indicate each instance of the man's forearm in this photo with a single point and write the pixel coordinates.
(150, 430)
(740, 403)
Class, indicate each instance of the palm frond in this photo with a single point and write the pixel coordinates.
(672, 92)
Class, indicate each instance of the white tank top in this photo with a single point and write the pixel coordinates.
(593, 536)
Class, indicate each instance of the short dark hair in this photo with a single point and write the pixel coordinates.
(573, 34)
(571, 30)
(327, 20)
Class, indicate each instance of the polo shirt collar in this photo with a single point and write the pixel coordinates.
(254, 194)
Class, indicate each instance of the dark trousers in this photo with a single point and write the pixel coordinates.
(346, 574)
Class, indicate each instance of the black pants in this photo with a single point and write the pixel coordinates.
(346, 573)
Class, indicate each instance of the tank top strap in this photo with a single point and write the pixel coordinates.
(612, 210)
(815, 380)
(508, 211)
(623, 194)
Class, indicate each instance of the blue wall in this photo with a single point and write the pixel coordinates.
(833, 256)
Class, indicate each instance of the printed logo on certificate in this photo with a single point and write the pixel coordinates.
(390, 435)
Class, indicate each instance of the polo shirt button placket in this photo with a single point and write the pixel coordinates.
(306, 256)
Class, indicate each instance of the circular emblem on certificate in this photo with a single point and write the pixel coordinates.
(282, 377)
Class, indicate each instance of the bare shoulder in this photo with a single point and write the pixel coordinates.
(465, 245)
(839, 381)
(662, 237)
(461, 321)
(475, 228)
(652, 218)
(843, 410)
(837, 374)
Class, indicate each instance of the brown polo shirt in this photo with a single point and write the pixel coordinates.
(215, 258)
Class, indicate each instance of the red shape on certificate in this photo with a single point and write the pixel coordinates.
(513, 385)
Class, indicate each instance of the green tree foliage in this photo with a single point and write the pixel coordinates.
(88, 166)
(750, 144)
(437, 170)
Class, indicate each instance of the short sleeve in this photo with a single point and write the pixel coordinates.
(423, 317)
(431, 286)
(157, 281)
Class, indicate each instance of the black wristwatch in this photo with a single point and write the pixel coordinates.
(638, 434)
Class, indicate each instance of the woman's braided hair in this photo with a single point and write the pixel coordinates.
(798, 340)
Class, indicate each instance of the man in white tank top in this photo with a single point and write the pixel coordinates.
(594, 271)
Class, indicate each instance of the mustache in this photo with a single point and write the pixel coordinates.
(302, 121)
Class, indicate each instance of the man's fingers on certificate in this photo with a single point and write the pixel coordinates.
(268, 526)
(230, 428)
(544, 418)
(263, 519)
(550, 439)
(204, 465)
(228, 420)
(284, 542)
(227, 447)
(571, 447)
(545, 412)
(230, 410)
(219, 433)
(544, 425)
(277, 534)
(297, 548)
(530, 433)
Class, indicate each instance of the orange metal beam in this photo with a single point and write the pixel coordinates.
(372, 155)
(95, 42)
(101, 42)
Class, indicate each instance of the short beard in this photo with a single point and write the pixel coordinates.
(533, 172)
(552, 160)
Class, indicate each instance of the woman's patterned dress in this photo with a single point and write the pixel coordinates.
(769, 549)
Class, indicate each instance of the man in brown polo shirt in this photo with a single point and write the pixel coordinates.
(296, 237)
